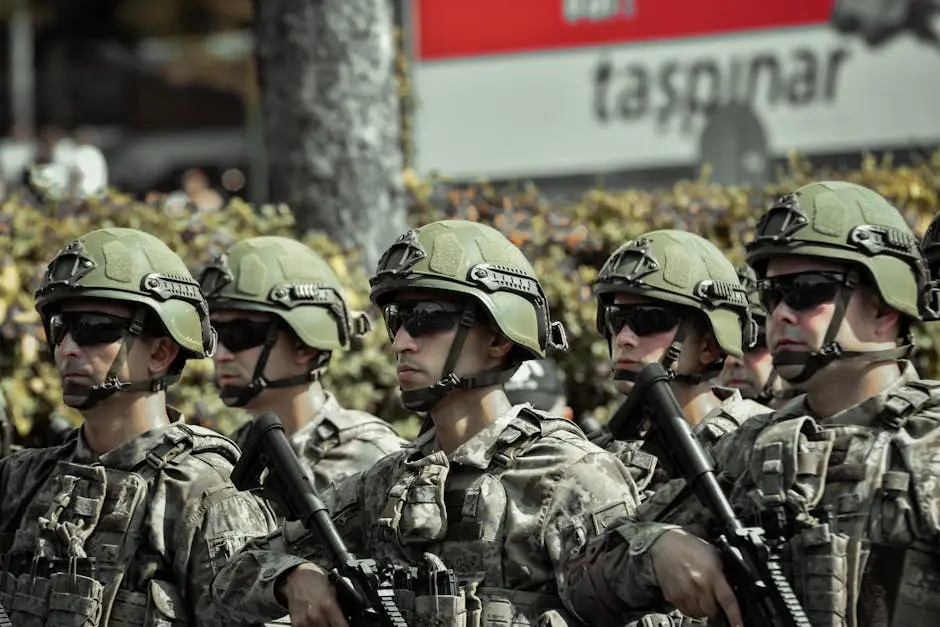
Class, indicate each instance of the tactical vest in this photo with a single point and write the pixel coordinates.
(858, 506)
(470, 540)
(79, 557)
(337, 430)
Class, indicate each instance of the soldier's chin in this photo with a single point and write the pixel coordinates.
(789, 372)
(74, 400)
(624, 387)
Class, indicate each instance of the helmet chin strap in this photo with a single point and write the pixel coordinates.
(94, 394)
(425, 399)
(831, 350)
(241, 395)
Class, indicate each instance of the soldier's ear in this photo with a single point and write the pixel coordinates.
(499, 347)
(163, 352)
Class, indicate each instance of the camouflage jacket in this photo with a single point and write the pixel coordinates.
(131, 537)
(505, 511)
(861, 495)
(338, 442)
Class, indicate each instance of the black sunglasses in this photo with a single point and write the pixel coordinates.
(421, 317)
(800, 291)
(643, 320)
(87, 328)
(240, 335)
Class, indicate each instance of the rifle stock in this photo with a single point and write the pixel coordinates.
(752, 565)
(365, 596)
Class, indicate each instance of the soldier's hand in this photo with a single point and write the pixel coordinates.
(690, 574)
(311, 598)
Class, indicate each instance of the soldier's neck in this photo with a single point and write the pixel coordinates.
(123, 417)
(837, 391)
(463, 414)
(696, 400)
(296, 406)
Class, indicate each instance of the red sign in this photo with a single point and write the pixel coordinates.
(449, 29)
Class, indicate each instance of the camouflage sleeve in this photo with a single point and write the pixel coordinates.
(211, 529)
(594, 496)
(613, 581)
(245, 588)
(354, 456)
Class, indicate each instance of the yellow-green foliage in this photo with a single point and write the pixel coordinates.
(567, 244)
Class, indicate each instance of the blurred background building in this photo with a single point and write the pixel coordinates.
(160, 98)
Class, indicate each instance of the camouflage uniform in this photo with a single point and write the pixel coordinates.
(133, 536)
(678, 269)
(338, 442)
(505, 510)
(298, 289)
(854, 497)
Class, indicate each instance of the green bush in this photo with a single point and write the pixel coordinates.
(567, 243)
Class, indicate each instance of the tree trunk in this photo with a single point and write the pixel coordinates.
(331, 118)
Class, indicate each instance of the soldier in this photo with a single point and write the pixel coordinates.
(128, 520)
(846, 472)
(672, 297)
(502, 494)
(753, 373)
(280, 314)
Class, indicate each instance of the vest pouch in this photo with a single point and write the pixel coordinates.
(165, 607)
(7, 590)
(405, 600)
(440, 611)
(75, 601)
(673, 619)
(820, 574)
(30, 601)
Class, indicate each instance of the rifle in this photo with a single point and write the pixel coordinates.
(365, 594)
(751, 564)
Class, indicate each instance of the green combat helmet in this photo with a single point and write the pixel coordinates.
(682, 269)
(493, 279)
(847, 223)
(139, 270)
(931, 250)
(284, 278)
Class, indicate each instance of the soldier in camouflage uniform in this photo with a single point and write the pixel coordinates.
(127, 521)
(753, 373)
(672, 297)
(501, 494)
(280, 314)
(844, 475)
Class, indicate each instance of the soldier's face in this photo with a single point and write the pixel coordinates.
(749, 373)
(241, 340)
(86, 339)
(631, 349)
(424, 335)
(799, 323)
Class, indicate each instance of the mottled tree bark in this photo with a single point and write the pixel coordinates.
(331, 117)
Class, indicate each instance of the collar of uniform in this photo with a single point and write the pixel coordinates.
(724, 393)
(132, 453)
(478, 451)
(865, 413)
(329, 407)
